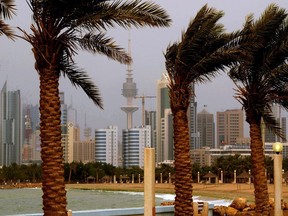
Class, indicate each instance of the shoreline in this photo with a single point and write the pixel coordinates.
(217, 191)
(227, 191)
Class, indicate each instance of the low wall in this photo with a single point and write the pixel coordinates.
(160, 210)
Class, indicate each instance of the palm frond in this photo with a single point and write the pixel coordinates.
(130, 13)
(202, 30)
(6, 30)
(272, 124)
(7, 9)
(101, 44)
(80, 78)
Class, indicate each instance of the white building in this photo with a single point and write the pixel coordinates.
(134, 142)
(106, 145)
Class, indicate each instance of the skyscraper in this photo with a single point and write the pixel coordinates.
(10, 127)
(106, 145)
(64, 127)
(164, 125)
(192, 121)
(134, 142)
(129, 91)
(30, 123)
(206, 129)
(151, 120)
(270, 136)
(230, 126)
(73, 136)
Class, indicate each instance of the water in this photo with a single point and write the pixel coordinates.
(29, 200)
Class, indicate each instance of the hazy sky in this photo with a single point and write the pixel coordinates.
(148, 45)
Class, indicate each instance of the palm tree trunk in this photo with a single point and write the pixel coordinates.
(53, 185)
(258, 171)
(183, 169)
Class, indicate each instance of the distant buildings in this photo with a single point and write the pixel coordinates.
(10, 127)
(209, 138)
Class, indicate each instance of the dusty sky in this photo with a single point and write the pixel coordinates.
(148, 45)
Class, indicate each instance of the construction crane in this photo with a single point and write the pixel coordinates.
(143, 106)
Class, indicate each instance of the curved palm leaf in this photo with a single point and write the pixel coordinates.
(103, 45)
(81, 79)
(7, 10)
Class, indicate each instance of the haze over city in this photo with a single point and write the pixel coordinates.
(147, 46)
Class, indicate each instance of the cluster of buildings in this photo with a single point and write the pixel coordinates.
(209, 139)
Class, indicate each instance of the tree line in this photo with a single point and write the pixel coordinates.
(78, 172)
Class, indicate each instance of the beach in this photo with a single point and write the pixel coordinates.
(218, 191)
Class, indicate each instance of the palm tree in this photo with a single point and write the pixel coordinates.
(60, 29)
(7, 9)
(261, 80)
(202, 52)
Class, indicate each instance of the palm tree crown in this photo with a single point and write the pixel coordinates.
(60, 29)
(203, 50)
(261, 80)
(261, 76)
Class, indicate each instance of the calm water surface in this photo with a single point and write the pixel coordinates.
(29, 200)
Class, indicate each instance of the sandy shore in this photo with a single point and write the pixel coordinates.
(219, 191)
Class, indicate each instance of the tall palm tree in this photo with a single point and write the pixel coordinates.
(60, 29)
(202, 52)
(261, 78)
(7, 9)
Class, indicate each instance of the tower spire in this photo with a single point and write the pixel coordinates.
(129, 90)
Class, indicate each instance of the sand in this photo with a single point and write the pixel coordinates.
(219, 191)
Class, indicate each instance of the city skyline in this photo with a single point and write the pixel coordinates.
(147, 44)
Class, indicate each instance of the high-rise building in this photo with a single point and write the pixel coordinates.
(30, 119)
(150, 119)
(73, 136)
(134, 142)
(230, 126)
(106, 145)
(64, 127)
(205, 129)
(36, 146)
(164, 125)
(192, 121)
(129, 91)
(270, 136)
(27, 153)
(84, 151)
(10, 127)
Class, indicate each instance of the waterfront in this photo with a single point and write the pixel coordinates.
(28, 200)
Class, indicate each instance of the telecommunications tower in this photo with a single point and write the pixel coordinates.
(129, 91)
